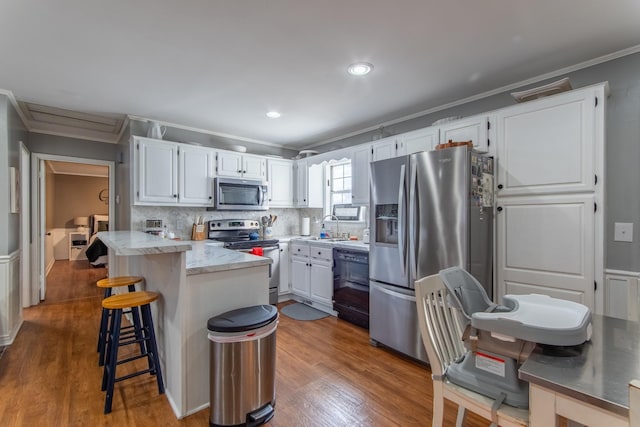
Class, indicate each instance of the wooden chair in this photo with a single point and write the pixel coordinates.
(441, 329)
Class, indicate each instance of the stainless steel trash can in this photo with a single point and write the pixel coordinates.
(242, 366)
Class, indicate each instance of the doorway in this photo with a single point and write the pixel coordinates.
(63, 223)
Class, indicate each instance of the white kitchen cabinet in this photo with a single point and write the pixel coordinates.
(416, 141)
(237, 165)
(168, 173)
(360, 159)
(309, 188)
(285, 268)
(321, 274)
(474, 128)
(300, 276)
(157, 172)
(547, 146)
(545, 244)
(384, 149)
(312, 274)
(550, 197)
(195, 171)
(280, 177)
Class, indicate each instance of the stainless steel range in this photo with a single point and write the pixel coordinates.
(241, 235)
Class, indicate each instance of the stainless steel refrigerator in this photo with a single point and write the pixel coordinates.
(429, 211)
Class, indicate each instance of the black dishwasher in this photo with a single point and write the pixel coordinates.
(351, 285)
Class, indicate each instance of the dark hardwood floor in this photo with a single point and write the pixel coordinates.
(327, 373)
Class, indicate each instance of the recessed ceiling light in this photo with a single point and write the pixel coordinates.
(273, 114)
(360, 69)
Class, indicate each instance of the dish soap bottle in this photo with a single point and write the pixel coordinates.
(323, 233)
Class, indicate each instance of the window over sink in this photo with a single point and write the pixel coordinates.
(338, 193)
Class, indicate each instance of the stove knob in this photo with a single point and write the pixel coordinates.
(219, 225)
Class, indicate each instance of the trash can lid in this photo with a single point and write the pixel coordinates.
(243, 319)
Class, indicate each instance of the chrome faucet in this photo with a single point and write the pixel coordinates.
(337, 234)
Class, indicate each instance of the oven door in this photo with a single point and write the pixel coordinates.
(240, 194)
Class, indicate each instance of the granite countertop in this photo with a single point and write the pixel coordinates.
(139, 243)
(208, 257)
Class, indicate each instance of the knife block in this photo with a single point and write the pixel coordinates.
(197, 232)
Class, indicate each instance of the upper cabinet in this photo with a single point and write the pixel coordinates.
(360, 159)
(309, 185)
(474, 128)
(280, 177)
(241, 165)
(168, 173)
(419, 140)
(547, 146)
(384, 149)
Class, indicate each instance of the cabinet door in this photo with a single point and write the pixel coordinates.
(280, 183)
(547, 146)
(285, 267)
(254, 167)
(384, 149)
(420, 140)
(315, 186)
(300, 276)
(195, 175)
(301, 184)
(360, 175)
(469, 129)
(545, 244)
(157, 171)
(321, 281)
(228, 164)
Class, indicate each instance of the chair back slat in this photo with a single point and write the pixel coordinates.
(440, 325)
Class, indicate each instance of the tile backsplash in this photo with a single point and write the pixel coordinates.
(180, 219)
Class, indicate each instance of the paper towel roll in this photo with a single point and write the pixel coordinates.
(304, 229)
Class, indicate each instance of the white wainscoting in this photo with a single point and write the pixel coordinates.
(621, 294)
(10, 305)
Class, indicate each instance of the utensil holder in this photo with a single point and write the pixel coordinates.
(267, 232)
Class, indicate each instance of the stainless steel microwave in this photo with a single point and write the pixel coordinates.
(238, 194)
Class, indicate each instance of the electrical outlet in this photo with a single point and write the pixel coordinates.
(623, 232)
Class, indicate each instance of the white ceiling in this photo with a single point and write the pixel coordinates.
(220, 65)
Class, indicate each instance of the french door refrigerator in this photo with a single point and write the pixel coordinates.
(429, 211)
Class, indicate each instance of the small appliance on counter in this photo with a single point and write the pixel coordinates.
(154, 226)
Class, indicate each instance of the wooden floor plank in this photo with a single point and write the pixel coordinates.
(327, 373)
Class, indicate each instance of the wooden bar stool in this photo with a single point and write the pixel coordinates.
(108, 284)
(116, 304)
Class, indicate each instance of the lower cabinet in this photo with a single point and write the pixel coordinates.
(312, 274)
(285, 269)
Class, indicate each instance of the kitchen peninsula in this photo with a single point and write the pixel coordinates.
(196, 280)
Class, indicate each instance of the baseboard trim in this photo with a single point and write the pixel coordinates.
(8, 339)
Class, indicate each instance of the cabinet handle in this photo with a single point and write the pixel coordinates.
(210, 197)
(500, 186)
(240, 171)
(244, 171)
(499, 209)
(319, 253)
(175, 196)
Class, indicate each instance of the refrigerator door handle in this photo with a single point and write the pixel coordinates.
(402, 247)
(397, 294)
(413, 221)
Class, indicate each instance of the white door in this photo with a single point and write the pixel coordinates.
(254, 167)
(420, 140)
(547, 146)
(300, 276)
(301, 184)
(41, 219)
(384, 149)
(25, 228)
(280, 183)
(545, 244)
(473, 129)
(229, 164)
(361, 158)
(157, 163)
(195, 181)
(321, 281)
